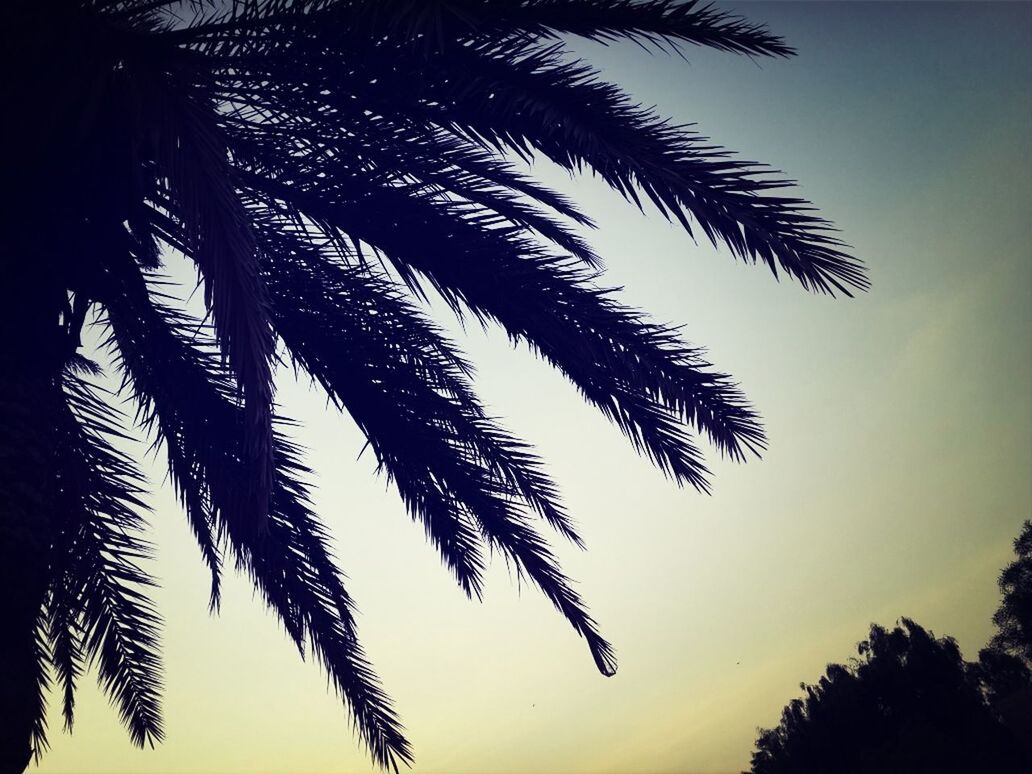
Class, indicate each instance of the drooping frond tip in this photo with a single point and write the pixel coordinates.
(96, 607)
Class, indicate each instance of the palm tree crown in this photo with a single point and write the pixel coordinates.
(323, 163)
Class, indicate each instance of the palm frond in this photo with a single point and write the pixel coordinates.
(312, 151)
(508, 532)
(96, 577)
(64, 632)
(195, 180)
(533, 99)
(294, 570)
(660, 23)
(420, 436)
(638, 373)
(357, 333)
(41, 682)
(399, 414)
(138, 358)
(517, 95)
(189, 400)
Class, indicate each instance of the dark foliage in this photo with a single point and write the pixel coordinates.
(908, 704)
(1001, 675)
(1014, 618)
(321, 163)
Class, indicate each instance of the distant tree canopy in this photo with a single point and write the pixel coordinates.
(1014, 618)
(910, 704)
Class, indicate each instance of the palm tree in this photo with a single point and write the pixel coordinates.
(323, 163)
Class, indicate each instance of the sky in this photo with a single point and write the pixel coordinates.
(897, 475)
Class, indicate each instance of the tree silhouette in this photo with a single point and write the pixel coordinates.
(1005, 665)
(1001, 675)
(909, 703)
(321, 163)
(1014, 618)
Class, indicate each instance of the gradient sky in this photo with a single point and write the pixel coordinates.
(898, 473)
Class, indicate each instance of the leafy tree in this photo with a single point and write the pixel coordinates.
(912, 704)
(1014, 618)
(1005, 665)
(321, 163)
(1001, 675)
(908, 704)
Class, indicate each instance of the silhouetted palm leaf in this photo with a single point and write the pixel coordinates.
(187, 399)
(95, 608)
(41, 683)
(322, 163)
